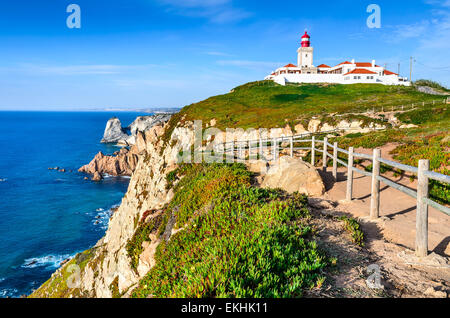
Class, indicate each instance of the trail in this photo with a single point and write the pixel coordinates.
(390, 240)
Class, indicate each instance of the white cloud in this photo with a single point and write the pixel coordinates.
(409, 31)
(216, 11)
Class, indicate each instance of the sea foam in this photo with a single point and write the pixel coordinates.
(48, 261)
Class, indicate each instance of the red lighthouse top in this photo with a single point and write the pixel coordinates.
(305, 40)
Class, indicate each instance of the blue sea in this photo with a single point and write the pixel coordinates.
(47, 216)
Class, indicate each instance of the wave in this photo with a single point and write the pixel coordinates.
(3, 180)
(102, 218)
(48, 261)
(8, 292)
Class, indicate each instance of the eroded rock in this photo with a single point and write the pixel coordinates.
(294, 175)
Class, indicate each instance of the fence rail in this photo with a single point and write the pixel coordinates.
(274, 145)
(405, 107)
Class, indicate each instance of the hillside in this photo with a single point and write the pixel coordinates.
(265, 104)
(211, 230)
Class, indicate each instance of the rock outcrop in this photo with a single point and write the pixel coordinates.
(115, 133)
(143, 123)
(123, 163)
(292, 175)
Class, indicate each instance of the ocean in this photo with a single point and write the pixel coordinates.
(47, 216)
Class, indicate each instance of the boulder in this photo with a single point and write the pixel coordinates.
(294, 175)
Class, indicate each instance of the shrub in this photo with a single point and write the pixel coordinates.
(238, 240)
(353, 227)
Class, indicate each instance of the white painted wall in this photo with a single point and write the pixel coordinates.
(337, 78)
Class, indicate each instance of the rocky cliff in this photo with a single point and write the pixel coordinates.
(106, 270)
(115, 133)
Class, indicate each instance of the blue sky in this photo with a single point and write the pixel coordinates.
(168, 53)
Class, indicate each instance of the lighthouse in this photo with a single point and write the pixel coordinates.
(306, 40)
(305, 54)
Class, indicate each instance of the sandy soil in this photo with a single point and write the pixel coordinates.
(389, 241)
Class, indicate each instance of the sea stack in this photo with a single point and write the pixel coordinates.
(114, 132)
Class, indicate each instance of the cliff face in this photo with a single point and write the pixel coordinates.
(104, 270)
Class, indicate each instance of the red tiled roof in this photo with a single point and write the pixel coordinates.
(360, 71)
(386, 72)
(346, 62)
(290, 65)
(363, 64)
(323, 66)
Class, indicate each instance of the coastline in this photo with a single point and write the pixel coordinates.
(48, 215)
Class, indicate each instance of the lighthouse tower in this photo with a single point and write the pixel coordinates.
(305, 53)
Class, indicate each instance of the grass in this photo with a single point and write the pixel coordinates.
(430, 140)
(430, 83)
(354, 228)
(238, 240)
(265, 104)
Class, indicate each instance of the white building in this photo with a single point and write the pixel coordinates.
(343, 73)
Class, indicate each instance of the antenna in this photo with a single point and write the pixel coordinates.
(411, 61)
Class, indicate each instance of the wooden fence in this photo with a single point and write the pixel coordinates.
(404, 107)
(424, 175)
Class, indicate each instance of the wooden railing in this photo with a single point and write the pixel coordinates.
(272, 146)
(405, 107)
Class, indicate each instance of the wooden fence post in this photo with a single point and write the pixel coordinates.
(375, 197)
(350, 175)
(232, 150)
(313, 151)
(260, 148)
(325, 151)
(422, 210)
(291, 141)
(274, 146)
(240, 151)
(335, 155)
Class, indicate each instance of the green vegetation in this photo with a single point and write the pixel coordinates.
(238, 240)
(353, 227)
(134, 245)
(430, 140)
(433, 84)
(114, 288)
(267, 105)
(56, 286)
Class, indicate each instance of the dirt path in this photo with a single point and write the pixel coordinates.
(389, 241)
